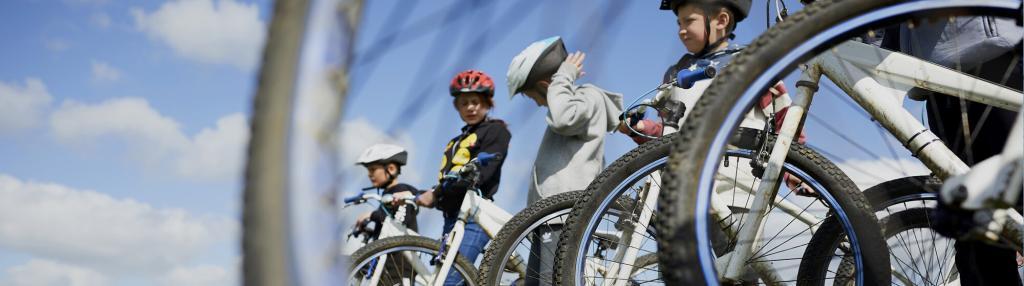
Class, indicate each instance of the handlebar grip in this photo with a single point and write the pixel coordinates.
(687, 77)
(352, 199)
(485, 157)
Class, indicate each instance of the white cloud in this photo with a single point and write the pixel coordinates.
(867, 173)
(100, 20)
(152, 135)
(46, 272)
(217, 152)
(112, 235)
(40, 272)
(22, 106)
(201, 276)
(57, 45)
(102, 71)
(154, 139)
(215, 32)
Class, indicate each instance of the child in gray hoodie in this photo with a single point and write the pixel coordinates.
(578, 118)
(572, 151)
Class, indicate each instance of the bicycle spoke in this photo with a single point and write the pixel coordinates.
(780, 232)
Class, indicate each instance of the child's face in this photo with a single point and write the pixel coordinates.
(377, 174)
(472, 107)
(692, 29)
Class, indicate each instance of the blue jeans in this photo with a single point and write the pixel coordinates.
(473, 242)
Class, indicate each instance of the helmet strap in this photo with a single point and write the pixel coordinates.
(708, 47)
(391, 178)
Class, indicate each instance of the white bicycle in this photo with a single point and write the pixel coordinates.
(613, 230)
(391, 226)
(417, 260)
(877, 79)
(622, 202)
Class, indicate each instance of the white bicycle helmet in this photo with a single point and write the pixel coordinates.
(540, 58)
(383, 153)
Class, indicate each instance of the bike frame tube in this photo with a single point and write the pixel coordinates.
(451, 251)
(486, 213)
(378, 269)
(853, 66)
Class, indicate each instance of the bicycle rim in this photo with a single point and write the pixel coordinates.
(288, 229)
(918, 255)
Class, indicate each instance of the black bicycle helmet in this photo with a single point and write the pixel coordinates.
(740, 8)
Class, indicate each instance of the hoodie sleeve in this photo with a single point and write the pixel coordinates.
(569, 114)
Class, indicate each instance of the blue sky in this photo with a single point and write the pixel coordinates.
(123, 123)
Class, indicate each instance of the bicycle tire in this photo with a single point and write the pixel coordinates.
(733, 91)
(414, 243)
(265, 230)
(888, 193)
(518, 228)
(899, 192)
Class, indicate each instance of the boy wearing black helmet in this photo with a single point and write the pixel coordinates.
(705, 29)
(705, 26)
(383, 164)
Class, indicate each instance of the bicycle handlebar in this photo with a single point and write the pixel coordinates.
(471, 167)
(700, 71)
(360, 198)
(484, 158)
(353, 199)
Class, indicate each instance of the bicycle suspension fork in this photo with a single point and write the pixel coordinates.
(747, 240)
(633, 233)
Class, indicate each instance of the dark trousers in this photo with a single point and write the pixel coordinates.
(978, 262)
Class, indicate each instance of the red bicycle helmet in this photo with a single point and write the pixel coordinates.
(472, 81)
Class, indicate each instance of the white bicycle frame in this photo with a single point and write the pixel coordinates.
(389, 228)
(853, 66)
(488, 215)
(630, 240)
(622, 266)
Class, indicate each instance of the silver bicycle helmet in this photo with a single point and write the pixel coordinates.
(383, 154)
